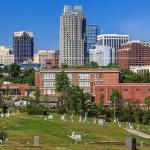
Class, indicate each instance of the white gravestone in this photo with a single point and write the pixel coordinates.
(80, 118)
(63, 117)
(101, 122)
(85, 117)
(50, 117)
(94, 121)
(36, 140)
(8, 114)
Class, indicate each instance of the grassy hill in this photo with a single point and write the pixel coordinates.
(21, 128)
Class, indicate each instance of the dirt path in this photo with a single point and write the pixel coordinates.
(138, 133)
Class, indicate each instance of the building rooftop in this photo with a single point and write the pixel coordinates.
(81, 70)
(116, 35)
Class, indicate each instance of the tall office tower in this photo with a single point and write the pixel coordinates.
(103, 55)
(134, 53)
(23, 46)
(92, 31)
(113, 40)
(72, 36)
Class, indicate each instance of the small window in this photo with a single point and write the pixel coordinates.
(137, 89)
(101, 89)
(125, 89)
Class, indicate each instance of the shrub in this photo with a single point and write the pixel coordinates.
(3, 135)
(36, 110)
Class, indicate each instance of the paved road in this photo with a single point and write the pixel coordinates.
(138, 133)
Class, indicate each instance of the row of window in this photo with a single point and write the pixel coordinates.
(49, 84)
(80, 76)
(84, 83)
(49, 91)
(128, 90)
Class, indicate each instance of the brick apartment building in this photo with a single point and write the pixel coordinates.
(134, 53)
(96, 81)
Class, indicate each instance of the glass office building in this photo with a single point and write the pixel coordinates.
(92, 31)
(23, 46)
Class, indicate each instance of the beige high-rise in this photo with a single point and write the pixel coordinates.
(6, 55)
(72, 36)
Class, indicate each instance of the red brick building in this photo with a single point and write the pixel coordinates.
(134, 53)
(84, 78)
(96, 81)
(129, 91)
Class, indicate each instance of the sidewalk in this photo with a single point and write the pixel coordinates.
(138, 133)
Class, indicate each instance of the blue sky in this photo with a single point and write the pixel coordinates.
(42, 18)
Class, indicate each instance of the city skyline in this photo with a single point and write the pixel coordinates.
(42, 18)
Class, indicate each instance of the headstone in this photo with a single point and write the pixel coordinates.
(50, 117)
(142, 143)
(2, 115)
(36, 140)
(8, 114)
(80, 118)
(94, 121)
(63, 117)
(101, 122)
(85, 117)
(131, 143)
(1, 142)
(72, 117)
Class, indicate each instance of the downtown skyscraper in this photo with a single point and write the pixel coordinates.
(23, 46)
(72, 36)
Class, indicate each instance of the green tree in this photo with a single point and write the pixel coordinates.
(147, 101)
(63, 66)
(1, 72)
(14, 70)
(45, 98)
(131, 77)
(92, 64)
(146, 77)
(112, 65)
(37, 95)
(115, 98)
(62, 82)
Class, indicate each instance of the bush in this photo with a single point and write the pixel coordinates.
(3, 135)
(36, 110)
(146, 118)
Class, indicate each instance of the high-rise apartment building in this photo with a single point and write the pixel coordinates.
(102, 55)
(49, 57)
(23, 46)
(6, 56)
(113, 40)
(72, 36)
(134, 53)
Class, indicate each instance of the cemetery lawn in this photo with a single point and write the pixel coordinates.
(21, 128)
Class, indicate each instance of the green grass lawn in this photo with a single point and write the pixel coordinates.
(21, 128)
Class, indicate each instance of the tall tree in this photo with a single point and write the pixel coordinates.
(37, 95)
(62, 82)
(14, 70)
(115, 98)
